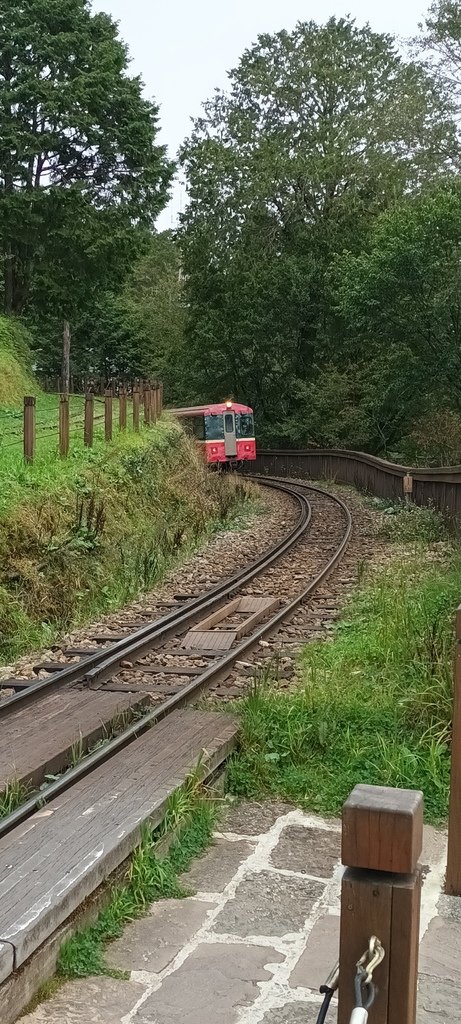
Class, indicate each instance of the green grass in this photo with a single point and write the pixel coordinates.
(375, 703)
(14, 794)
(192, 816)
(83, 536)
(48, 470)
(16, 378)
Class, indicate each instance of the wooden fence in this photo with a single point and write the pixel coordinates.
(437, 486)
(94, 410)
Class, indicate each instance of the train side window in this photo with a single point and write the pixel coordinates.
(214, 428)
(229, 423)
(199, 428)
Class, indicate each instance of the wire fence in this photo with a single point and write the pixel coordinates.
(72, 417)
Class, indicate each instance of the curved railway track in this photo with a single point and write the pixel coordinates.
(265, 590)
(62, 842)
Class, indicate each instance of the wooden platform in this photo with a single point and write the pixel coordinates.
(52, 862)
(33, 741)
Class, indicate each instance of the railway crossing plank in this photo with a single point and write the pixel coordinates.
(57, 858)
(32, 743)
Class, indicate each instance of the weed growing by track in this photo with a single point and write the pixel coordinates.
(14, 794)
(374, 705)
(191, 817)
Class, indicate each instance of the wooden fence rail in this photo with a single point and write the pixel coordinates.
(152, 397)
(436, 486)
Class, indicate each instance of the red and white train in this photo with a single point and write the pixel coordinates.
(225, 432)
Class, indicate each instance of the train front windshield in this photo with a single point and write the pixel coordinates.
(244, 425)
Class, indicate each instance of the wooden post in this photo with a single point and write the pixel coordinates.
(88, 424)
(64, 426)
(146, 407)
(29, 428)
(382, 837)
(122, 409)
(136, 409)
(453, 875)
(66, 358)
(160, 410)
(407, 487)
(108, 414)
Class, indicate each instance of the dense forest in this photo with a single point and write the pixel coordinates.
(316, 271)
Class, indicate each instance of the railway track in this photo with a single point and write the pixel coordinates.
(159, 669)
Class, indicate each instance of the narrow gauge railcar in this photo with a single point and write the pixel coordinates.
(225, 432)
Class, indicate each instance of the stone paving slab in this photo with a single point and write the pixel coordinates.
(211, 985)
(259, 936)
(322, 948)
(212, 871)
(307, 850)
(151, 943)
(89, 1001)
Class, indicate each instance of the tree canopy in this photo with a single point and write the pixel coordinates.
(320, 131)
(79, 162)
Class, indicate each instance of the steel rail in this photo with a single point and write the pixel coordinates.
(104, 663)
(212, 675)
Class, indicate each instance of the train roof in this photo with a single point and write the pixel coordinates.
(211, 410)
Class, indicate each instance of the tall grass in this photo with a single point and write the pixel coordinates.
(375, 704)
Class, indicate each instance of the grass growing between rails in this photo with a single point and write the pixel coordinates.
(99, 531)
(374, 705)
(193, 817)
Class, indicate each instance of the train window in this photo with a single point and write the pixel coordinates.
(198, 427)
(229, 423)
(244, 425)
(214, 428)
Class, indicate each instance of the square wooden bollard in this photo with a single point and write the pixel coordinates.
(382, 829)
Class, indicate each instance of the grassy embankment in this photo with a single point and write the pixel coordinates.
(81, 536)
(374, 705)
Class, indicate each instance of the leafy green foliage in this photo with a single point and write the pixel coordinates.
(375, 704)
(404, 523)
(404, 289)
(81, 174)
(320, 130)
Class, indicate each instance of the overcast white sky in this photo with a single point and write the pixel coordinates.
(183, 48)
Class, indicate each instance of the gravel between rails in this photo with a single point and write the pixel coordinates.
(223, 554)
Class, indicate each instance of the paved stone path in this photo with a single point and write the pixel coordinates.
(258, 937)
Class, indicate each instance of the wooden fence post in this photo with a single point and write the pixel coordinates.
(136, 409)
(64, 426)
(29, 428)
(108, 414)
(88, 424)
(160, 407)
(407, 487)
(146, 406)
(382, 835)
(453, 875)
(122, 409)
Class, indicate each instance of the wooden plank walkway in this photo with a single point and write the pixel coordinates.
(52, 862)
(31, 739)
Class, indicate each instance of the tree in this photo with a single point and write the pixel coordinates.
(321, 129)
(78, 157)
(404, 291)
(140, 330)
(439, 45)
